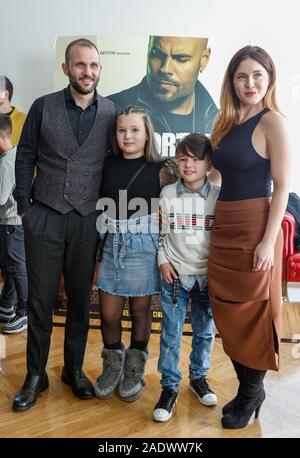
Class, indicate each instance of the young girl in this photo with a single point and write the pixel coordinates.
(244, 271)
(132, 181)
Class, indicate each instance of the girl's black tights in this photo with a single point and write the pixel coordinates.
(111, 310)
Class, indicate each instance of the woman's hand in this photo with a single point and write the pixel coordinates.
(168, 273)
(263, 258)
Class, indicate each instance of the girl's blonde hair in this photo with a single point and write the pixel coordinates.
(151, 151)
(229, 102)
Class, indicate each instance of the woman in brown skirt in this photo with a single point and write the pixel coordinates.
(250, 152)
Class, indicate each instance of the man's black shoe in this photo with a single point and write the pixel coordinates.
(33, 386)
(80, 384)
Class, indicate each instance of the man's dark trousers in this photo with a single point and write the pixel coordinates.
(58, 243)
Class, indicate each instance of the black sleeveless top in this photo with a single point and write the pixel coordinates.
(245, 174)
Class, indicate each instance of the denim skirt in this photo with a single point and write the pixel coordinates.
(129, 260)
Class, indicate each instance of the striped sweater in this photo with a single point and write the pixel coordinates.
(186, 223)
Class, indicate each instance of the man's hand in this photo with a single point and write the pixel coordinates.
(168, 273)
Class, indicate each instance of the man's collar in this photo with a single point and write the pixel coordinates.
(68, 95)
(145, 96)
(203, 191)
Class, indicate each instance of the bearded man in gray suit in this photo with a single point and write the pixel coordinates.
(66, 137)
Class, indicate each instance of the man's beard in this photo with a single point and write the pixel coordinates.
(83, 90)
(166, 97)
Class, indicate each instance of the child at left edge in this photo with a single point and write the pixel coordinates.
(12, 246)
(187, 214)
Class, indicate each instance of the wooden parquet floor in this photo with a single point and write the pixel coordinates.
(58, 413)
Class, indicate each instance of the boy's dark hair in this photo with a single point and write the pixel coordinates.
(5, 125)
(195, 145)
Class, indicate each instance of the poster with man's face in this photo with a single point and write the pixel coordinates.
(162, 74)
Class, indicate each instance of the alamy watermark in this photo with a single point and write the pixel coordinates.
(177, 215)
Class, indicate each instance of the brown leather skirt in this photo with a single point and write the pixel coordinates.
(246, 304)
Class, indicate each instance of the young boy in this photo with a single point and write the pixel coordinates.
(187, 214)
(11, 234)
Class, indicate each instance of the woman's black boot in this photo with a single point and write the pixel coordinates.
(249, 400)
(239, 369)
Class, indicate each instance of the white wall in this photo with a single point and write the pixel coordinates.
(29, 28)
